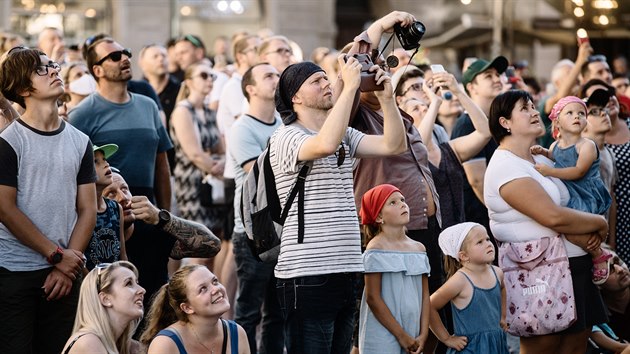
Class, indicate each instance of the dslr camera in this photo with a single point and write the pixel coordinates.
(368, 79)
(410, 36)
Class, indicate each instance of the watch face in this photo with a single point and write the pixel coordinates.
(56, 258)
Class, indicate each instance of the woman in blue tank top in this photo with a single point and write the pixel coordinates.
(185, 316)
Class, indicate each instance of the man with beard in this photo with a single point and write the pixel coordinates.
(156, 235)
(131, 121)
(320, 250)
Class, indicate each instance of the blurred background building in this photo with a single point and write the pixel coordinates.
(538, 31)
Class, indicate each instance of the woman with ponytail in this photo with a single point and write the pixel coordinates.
(185, 316)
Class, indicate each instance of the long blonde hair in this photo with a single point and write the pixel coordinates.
(91, 314)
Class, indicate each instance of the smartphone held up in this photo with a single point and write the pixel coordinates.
(582, 36)
(436, 69)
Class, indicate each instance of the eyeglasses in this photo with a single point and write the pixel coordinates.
(99, 269)
(193, 40)
(115, 56)
(341, 155)
(598, 111)
(42, 70)
(597, 57)
(281, 51)
(415, 87)
(205, 76)
(247, 50)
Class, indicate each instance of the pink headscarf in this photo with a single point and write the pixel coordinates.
(373, 201)
(559, 106)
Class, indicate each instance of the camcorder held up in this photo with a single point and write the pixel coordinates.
(409, 37)
(368, 79)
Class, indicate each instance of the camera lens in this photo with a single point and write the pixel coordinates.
(417, 29)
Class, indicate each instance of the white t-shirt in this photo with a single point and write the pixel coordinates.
(508, 224)
(230, 105)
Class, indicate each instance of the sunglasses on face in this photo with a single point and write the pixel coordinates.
(115, 56)
(341, 155)
(281, 51)
(414, 87)
(42, 70)
(206, 76)
(99, 269)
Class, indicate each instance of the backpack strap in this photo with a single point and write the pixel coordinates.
(298, 188)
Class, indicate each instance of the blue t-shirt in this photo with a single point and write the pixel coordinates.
(134, 126)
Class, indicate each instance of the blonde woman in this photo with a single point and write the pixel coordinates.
(185, 317)
(110, 307)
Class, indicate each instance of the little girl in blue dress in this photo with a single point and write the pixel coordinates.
(475, 290)
(577, 165)
(394, 314)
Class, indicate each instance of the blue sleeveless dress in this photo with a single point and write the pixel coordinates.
(401, 290)
(588, 193)
(479, 321)
(174, 336)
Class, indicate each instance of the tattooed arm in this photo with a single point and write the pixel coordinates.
(193, 239)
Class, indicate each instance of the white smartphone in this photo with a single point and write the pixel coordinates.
(437, 68)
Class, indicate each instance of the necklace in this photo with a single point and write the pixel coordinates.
(211, 351)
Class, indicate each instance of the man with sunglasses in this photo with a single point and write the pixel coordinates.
(47, 208)
(114, 115)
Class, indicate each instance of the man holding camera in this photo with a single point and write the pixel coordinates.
(316, 274)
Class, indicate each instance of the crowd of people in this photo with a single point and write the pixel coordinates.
(483, 215)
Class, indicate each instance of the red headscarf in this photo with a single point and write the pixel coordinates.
(373, 201)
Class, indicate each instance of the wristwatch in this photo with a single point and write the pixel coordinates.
(163, 218)
(56, 256)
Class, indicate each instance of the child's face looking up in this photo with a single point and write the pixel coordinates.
(572, 119)
(103, 172)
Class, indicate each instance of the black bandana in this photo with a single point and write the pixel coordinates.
(290, 82)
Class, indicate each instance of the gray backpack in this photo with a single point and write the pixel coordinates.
(261, 213)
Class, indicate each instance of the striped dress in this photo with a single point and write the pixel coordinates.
(188, 177)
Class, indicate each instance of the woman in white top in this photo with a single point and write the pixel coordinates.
(524, 205)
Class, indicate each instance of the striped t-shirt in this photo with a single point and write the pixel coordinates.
(332, 241)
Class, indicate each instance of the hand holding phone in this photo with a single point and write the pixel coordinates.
(582, 36)
(438, 68)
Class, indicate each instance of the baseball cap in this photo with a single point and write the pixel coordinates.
(599, 97)
(500, 63)
(107, 149)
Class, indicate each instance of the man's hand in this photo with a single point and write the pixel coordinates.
(143, 210)
(404, 18)
(71, 264)
(57, 285)
(584, 51)
(350, 70)
(382, 78)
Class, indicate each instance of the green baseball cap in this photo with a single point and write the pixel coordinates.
(107, 149)
(500, 63)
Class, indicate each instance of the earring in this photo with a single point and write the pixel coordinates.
(509, 130)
